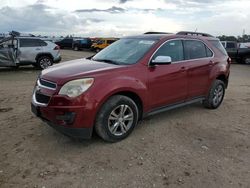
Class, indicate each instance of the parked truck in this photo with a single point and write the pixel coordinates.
(236, 53)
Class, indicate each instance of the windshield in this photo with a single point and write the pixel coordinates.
(124, 51)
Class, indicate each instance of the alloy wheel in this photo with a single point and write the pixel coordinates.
(218, 95)
(45, 63)
(120, 120)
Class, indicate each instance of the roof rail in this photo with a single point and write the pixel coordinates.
(193, 33)
(155, 32)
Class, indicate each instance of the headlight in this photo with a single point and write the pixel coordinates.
(75, 88)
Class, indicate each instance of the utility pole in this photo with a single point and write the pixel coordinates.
(243, 34)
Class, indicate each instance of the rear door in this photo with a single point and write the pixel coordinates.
(199, 64)
(29, 48)
(168, 83)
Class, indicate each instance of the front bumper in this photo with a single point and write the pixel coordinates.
(83, 133)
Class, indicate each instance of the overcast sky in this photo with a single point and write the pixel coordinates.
(124, 17)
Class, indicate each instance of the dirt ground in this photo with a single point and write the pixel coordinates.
(186, 147)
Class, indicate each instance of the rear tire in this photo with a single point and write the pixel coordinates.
(76, 48)
(116, 118)
(216, 95)
(246, 60)
(44, 62)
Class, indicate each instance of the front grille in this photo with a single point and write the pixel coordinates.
(47, 84)
(42, 98)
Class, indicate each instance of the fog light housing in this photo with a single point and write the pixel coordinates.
(67, 118)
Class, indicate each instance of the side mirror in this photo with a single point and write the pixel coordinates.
(162, 60)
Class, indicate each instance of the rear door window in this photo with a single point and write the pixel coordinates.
(195, 49)
(29, 42)
(173, 48)
(209, 52)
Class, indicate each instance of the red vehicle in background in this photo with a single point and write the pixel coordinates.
(134, 77)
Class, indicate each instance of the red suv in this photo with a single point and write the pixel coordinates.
(134, 77)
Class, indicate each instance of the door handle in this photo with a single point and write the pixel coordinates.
(38, 48)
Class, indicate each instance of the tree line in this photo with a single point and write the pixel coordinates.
(244, 38)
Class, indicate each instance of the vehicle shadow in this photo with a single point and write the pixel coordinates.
(14, 69)
(143, 125)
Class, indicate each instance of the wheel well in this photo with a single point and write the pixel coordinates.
(40, 55)
(135, 98)
(223, 78)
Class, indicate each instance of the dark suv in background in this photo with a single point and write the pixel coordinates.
(236, 53)
(133, 78)
(65, 43)
(79, 44)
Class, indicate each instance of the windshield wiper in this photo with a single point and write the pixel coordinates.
(107, 61)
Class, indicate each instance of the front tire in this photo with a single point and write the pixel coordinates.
(116, 118)
(216, 95)
(44, 62)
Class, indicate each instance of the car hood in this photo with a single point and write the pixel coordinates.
(75, 69)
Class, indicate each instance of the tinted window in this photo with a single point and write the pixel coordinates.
(30, 42)
(231, 45)
(66, 41)
(173, 48)
(84, 41)
(42, 43)
(194, 49)
(217, 44)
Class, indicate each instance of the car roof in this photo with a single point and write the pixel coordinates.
(169, 36)
(148, 36)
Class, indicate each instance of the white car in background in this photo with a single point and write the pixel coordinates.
(244, 45)
(17, 51)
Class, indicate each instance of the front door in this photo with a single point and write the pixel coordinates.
(168, 83)
(8, 53)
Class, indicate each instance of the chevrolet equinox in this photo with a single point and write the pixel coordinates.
(133, 78)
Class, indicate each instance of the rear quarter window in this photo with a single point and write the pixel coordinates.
(217, 44)
(42, 43)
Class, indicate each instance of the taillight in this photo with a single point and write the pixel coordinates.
(57, 47)
(229, 60)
